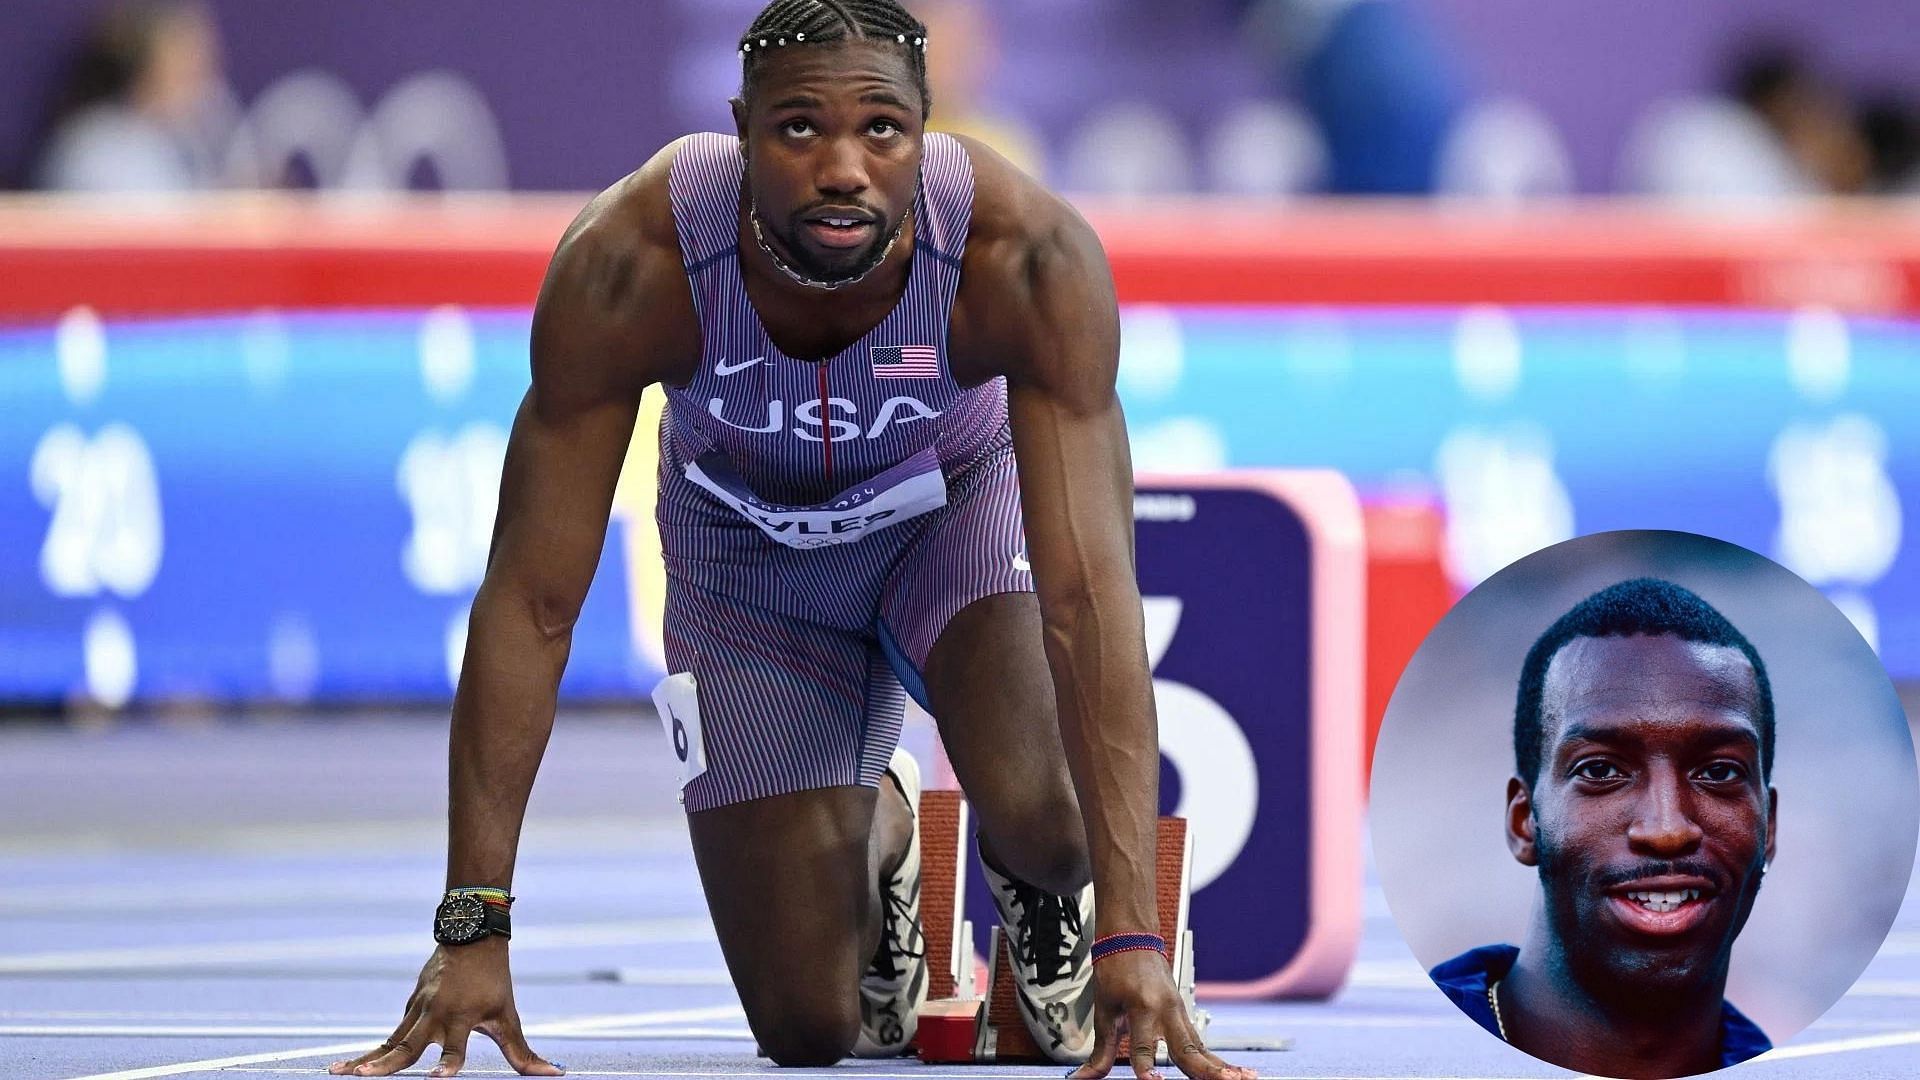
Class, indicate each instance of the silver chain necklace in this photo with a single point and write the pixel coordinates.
(753, 215)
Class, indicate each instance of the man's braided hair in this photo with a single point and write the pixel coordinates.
(785, 24)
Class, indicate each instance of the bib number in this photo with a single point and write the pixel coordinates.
(677, 700)
(902, 493)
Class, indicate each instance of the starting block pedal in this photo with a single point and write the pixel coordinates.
(943, 887)
(948, 1019)
(961, 1029)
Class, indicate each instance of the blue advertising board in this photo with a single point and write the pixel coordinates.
(298, 506)
(293, 508)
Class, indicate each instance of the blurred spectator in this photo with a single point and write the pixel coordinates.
(1811, 119)
(1779, 130)
(1128, 148)
(963, 53)
(1505, 151)
(142, 106)
(1376, 78)
(1891, 128)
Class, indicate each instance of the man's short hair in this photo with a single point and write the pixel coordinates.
(1639, 606)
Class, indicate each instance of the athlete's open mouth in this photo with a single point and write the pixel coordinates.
(1662, 906)
(1664, 901)
(834, 229)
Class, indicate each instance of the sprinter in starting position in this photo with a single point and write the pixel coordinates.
(893, 464)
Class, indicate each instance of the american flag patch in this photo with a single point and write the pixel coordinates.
(906, 362)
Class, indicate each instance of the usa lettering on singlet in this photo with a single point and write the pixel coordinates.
(818, 454)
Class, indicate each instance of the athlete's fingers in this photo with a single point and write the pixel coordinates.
(1106, 1046)
(405, 1051)
(412, 1017)
(1144, 1033)
(506, 1034)
(1187, 1051)
(453, 1052)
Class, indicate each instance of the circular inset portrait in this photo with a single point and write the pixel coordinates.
(1644, 804)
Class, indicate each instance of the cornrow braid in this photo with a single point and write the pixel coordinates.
(786, 23)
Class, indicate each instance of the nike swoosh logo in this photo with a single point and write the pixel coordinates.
(726, 369)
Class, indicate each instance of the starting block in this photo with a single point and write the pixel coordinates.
(943, 885)
(964, 1029)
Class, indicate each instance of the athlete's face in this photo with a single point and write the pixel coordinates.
(1650, 821)
(832, 138)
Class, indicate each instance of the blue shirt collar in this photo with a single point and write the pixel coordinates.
(1464, 980)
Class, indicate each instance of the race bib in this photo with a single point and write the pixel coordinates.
(676, 698)
(902, 493)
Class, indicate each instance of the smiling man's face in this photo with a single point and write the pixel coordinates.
(1652, 821)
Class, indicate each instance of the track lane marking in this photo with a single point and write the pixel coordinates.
(585, 1023)
(209, 1064)
(1841, 1046)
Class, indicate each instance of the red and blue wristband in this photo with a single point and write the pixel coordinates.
(1111, 944)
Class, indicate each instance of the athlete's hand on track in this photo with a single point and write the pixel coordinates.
(1134, 994)
(461, 990)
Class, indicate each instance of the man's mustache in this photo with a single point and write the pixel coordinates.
(1608, 879)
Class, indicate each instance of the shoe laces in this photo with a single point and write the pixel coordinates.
(1045, 922)
(889, 960)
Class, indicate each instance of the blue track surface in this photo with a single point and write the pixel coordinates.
(249, 899)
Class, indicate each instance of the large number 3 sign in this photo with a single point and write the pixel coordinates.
(1253, 585)
(1219, 784)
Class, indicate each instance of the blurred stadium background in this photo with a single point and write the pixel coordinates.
(1521, 272)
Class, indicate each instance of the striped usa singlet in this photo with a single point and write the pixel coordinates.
(822, 522)
(798, 433)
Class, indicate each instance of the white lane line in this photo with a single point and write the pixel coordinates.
(172, 1016)
(1885, 988)
(1841, 1046)
(367, 1034)
(585, 1027)
(177, 1031)
(591, 837)
(1901, 943)
(667, 976)
(588, 1024)
(851, 1071)
(193, 899)
(625, 932)
(360, 1045)
(228, 1062)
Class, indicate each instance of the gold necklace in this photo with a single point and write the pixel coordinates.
(1493, 999)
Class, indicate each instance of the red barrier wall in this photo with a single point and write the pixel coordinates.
(245, 252)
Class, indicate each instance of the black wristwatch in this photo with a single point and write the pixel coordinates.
(463, 919)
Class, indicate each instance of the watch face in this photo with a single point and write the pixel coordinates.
(460, 920)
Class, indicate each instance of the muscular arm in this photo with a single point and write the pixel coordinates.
(614, 315)
(1046, 316)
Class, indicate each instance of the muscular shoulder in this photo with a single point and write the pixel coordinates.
(1034, 272)
(615, 305)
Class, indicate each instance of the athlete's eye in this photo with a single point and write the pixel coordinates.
(1722, 772)
(1597, 769)
(884, 127)
(797, 128)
